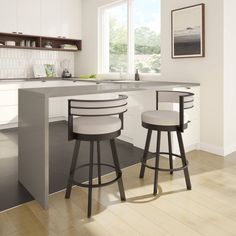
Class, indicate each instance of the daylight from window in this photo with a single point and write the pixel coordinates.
(133, 45)
(118, 37)
(147, 35)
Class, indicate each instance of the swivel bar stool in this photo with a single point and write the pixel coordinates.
(95, 121)
(167, 121)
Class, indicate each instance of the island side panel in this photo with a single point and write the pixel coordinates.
(33, 167)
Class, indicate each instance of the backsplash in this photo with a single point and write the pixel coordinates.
(18, 63)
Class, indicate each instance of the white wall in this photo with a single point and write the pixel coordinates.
(229, 76)
(87, 60)
(208, 71)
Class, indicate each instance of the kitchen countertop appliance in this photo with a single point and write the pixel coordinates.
(65, 67)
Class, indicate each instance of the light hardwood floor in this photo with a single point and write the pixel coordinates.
(208, 209)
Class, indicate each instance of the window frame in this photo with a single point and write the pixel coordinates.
(103, 39)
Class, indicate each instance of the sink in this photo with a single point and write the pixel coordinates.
(116, 81)
(125, 81)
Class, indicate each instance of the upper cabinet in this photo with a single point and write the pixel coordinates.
(61, 18)
(29, 14)
(8, 16)
(51, 18)
(71, 23)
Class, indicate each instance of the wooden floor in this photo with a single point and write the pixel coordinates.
(208, 209)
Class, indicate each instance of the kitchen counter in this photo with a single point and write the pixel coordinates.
(106, 87)
(33, 172)
(43, 79)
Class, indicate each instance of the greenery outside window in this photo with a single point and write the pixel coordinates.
(130, 37)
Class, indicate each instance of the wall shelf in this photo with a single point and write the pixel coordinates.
(40, 42)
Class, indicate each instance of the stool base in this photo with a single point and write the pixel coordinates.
(91, 164)
(156, 168)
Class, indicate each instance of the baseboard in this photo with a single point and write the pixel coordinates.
(55, 119)
(212, 149)
(15, 125)
(125, 138)
(229, 150)
(9, 126)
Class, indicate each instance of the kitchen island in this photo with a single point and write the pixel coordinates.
(33, 165)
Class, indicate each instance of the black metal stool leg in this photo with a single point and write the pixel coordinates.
(184, 161)
(90, 179)
(145, 153)
(170, 152)
(117, 166)
(72, 169)
(99, 162)
(157, 162)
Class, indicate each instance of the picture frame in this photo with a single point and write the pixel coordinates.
(50, 70)
(188, 31)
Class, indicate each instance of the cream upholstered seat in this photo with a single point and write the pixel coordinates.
(96, 125)
(163, 117)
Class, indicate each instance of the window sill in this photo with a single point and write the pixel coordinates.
(118, 76)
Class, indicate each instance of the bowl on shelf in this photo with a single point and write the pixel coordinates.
(48, 44)
(10, 43)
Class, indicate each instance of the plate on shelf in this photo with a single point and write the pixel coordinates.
(39, 71)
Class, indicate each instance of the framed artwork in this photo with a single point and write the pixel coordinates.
(188, 31)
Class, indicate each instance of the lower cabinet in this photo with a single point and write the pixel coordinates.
(9, 101)
(9, 115)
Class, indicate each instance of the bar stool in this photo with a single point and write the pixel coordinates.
(167, 121)
(95, 121)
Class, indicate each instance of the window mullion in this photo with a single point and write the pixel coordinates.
(131, 40)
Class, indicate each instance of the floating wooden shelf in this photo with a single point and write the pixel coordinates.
(40, 42)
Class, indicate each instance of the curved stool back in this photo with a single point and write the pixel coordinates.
(93, 108)
(184, 99)
(98, 107)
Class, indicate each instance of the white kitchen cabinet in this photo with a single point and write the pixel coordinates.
(29, 14)
(9, 100)
(51, 18)
(9, 115)
(61, 18)
(71, 13)
(8, 97)
(8, 16)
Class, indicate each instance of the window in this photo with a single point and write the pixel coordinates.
(130, 37)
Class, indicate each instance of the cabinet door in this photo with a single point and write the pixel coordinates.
(8, 16)
(71, 19)
(28, 14)
(51, 18)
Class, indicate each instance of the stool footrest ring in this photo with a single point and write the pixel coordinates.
(167, 170)
(119, 174)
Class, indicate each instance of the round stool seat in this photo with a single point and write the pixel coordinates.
(96, 125)
(162, 118)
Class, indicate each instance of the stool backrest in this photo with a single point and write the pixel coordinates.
(98, 107)
(93, 108)
(176, 97)
(184, 99)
